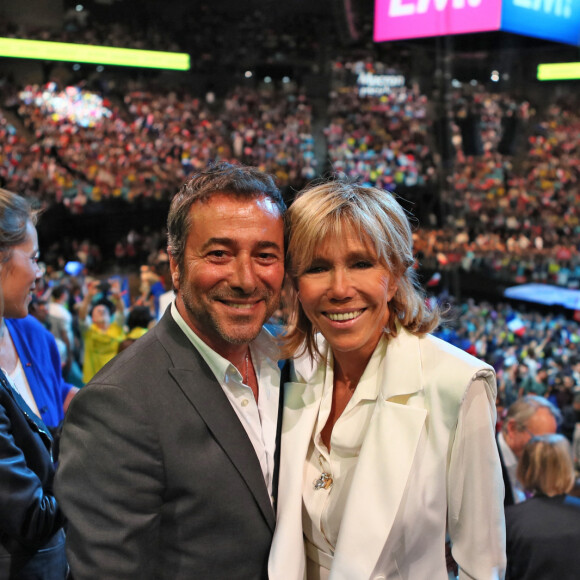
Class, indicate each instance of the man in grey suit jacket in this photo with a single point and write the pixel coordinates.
(167, 455)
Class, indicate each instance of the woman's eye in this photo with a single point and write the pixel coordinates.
(363, 265)
(314, 270)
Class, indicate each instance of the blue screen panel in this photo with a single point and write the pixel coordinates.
(557, 20)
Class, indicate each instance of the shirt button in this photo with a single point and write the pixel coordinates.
(245, 402)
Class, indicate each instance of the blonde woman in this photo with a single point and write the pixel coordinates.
(543, 532)
(388, 433)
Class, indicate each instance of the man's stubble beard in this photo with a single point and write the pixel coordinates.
(212, 325)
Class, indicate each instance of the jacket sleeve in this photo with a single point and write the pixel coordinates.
(61, 387)
(29, 514)
(110, 482)
(475, 486)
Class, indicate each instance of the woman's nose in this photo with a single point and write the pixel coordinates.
(339, 285)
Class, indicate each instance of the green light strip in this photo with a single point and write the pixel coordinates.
(68, 52)
(559, 71)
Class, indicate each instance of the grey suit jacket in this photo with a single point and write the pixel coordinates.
(157, 476)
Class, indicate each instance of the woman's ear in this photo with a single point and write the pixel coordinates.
(393, 287)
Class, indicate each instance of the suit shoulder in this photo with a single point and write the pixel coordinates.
(452, 371)
(437, 353)
(142, 362)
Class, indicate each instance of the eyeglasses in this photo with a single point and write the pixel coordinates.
(526, 430)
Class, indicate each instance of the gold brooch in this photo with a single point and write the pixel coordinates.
(323, 482)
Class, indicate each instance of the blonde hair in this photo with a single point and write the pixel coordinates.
(15, 213)
(546, 466)
(331, 208)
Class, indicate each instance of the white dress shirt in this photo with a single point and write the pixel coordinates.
(258, 418)
(511, 465)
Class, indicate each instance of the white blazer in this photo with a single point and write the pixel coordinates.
(429, 465)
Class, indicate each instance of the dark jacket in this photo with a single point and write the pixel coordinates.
(29, 515)
(543, 539)
(157, 476)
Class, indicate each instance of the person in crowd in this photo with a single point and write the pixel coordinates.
(150, 289)
(139, 321)
(388, 432)
(61, 323)
(167, 456)
(525, 418)
(543, 532)
(102, 329)
(31, 522)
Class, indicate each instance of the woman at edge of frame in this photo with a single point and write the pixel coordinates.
(388, 434)
(31, 522)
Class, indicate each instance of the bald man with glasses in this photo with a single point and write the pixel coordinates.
(527, 417)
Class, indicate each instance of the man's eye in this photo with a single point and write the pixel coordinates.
(217, 254)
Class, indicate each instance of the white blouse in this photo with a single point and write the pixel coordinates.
(323, 503)
(20, 384)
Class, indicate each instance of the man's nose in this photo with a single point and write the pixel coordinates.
(244, 275)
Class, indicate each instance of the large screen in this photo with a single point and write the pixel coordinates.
(557, 20)
(399, 19)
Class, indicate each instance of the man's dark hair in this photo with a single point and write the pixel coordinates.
(58, 291)
(140, 316)
(223, 178)
(105, 302)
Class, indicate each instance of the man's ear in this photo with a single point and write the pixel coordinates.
(174, 269)
(511, 428)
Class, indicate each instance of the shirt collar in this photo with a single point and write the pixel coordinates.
(368, 386)
(509, 458)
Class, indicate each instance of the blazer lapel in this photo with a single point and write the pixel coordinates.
(385, 462)
(199, 385)
(33, 420)
(301, 404)
(284, 378)
(206, 395)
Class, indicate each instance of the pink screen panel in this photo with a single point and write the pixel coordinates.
(400, 19)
